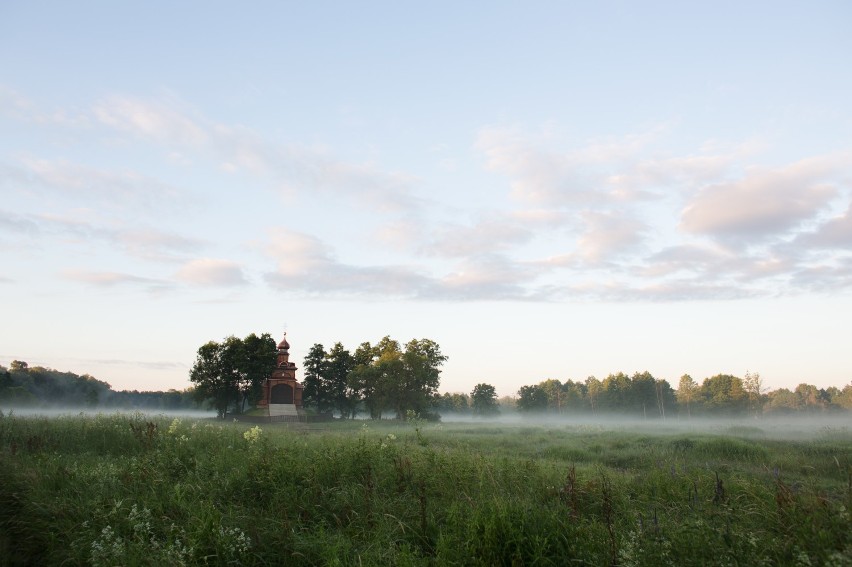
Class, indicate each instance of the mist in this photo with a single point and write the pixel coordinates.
(789, 427)
(58, 411)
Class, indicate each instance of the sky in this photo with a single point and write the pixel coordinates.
(545, 189)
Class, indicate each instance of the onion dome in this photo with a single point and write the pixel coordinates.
(284, 345)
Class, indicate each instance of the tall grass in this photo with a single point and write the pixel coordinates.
(137, 490)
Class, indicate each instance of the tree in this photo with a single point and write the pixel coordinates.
(484, 400)
(643, 393)
(454, 402)
(593, 389)
(420, 378)
(364, 377)
(315, 394)
(211, 382)
(258, 360)
(616, 393)
(553, 390)
(532, 399)
(231, 373)
(724, 393)
(686, 392)
(753, 385)
(339, 366)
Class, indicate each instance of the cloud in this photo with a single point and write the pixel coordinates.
(15, 223)
(835, 233)
(142, 242)
(307, 266)
(154, 244)
(109, 279)
(154, 120)
(491, 277)
(582, 176)
(765, 203)
(236, 148)
(609, 235)
(122, 189)
(825, 278)
(212, 272)
(487, 236)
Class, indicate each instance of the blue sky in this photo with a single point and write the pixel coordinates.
(548, 190)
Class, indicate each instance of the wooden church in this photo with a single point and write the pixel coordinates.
(282, 394)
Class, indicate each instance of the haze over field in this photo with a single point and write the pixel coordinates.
(548, 191)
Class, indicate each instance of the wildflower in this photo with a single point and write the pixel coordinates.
(174, 426)
(253, 434)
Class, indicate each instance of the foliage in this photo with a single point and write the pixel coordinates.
(137, 490)
(644, 395)
(23, 385)
(453, 402)
(328, 380)
(483, 400)
(231, 373)
(315, 395)
(384, 377)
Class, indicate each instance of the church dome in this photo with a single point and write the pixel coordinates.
(284, 345)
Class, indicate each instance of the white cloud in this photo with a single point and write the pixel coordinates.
(238, 149)
(583, 176)
(836, 233)
(211, 272)
(157, 121)
(609, 235)
(765, 203)
(489, 235)
(108, 279)
(122, 189)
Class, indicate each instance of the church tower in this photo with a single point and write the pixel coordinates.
(282, 394)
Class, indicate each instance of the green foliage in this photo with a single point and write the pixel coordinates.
(383, 376)
(136, 490)
(644, 395)
(231, 373)
(532, 398)
(484, 400)
(36, 385)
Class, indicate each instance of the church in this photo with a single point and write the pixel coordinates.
(282, 394)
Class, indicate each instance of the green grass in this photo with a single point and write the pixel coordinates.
(137, 490)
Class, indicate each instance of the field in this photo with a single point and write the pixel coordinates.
(142, 490)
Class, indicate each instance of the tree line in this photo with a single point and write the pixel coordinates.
(381, 378)
(22, 385)
(644, 395)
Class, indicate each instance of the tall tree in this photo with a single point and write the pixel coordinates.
(483, 400)
(364, 377)
(724, 394)
(259, 354)
(753, 385)
(339, 366)
(686, 392)
(422, 361)
(231, 373)
(593, 389)
(315, 370)
(211, 383)
(532, 399)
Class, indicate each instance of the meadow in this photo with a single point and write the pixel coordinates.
(155, 490)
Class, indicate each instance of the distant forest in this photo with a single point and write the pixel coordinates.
(639, 395)
(643, 395)
(24, 386)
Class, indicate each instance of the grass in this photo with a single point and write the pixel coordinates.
(141, 490)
